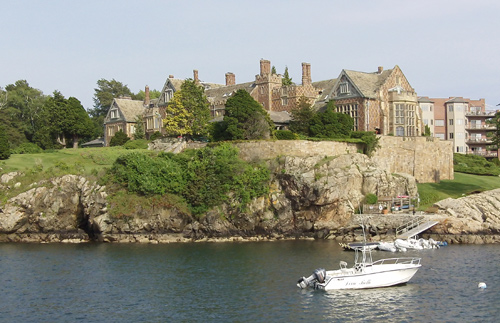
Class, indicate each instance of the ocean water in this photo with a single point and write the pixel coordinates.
(235, 282)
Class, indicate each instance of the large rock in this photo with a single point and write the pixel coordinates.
(309, 196)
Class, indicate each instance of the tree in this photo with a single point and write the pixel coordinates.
(104, 94)
(139, 128)
(21, 107)
(188, 113)
(245, 118)
(273, 70)
(119, 139)
(141, 95)
(495, 135)
(68, 119)
(301, 117)
(287, 80)
(329, 124)
(4, 145)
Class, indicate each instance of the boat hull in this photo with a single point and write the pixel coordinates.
(370, 277)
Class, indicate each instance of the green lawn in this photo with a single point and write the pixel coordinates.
(83, 160)
(463, 184)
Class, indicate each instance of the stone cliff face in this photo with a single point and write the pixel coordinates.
(309, 196)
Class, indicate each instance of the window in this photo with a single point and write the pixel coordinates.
(352, 111)
(344, 88)
(284, 101)
(426, 122)
(400, 131)
(432, 122)
(132, 128)
(399, 114)
(460, 149)
(450, 122)
(114, 113)
(460, 122)
(450, 107)
(451, 135)
(440, 135)
(439, 123)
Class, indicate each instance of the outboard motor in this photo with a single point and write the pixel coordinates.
(318, 276)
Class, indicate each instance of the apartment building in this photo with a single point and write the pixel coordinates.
(459, 119)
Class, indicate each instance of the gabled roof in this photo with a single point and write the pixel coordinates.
(367, 83)
(129, 109)
(324, 91)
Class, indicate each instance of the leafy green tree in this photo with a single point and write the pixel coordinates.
(287, 80)
(20, 110)
(68, 119)
(273, 70)
(4, 144)
(141, 95)
(104, 94)
(427, 131)
(495, 135)
(177, 118)
(329, 124)
(245, 118)
(139, 128)
(301, 117)
(119, 139)
(188, 113)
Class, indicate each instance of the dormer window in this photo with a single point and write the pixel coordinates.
(114, 114)
(344, 88)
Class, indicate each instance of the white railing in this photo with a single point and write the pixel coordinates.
(402, 260)
(413, 223)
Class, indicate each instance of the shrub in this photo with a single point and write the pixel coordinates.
(136, 144)
(473, 164)
(119, 139)
(155, 135)
(371, 198)
(285, 135)
(27, 148)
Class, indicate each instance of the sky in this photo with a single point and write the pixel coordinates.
(445, 48)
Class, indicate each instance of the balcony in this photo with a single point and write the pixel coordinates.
(488, 114)
(479, 127)
(479, 141)
(484, 153)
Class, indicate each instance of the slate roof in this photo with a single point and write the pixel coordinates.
(324, 89)
(222, 93)
(424, 99)
(280, 116)
(457, 100)
(368, 83)
(129, 109)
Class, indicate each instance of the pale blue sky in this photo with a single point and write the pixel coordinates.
(444, 47)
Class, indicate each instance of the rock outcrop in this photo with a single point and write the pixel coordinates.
(309, 197)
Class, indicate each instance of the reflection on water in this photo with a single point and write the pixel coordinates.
(235, 282)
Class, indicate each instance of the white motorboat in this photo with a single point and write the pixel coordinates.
(365, 273)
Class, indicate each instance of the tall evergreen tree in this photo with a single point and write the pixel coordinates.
(287, 80)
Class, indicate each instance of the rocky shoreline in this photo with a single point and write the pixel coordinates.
(305, 202)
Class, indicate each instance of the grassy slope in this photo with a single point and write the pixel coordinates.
(84, 159)
(463, 184)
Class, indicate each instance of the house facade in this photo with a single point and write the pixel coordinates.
(122, 115)
(382, 101)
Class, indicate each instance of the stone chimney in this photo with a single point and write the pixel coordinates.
(170, 76)
(195, 77)
(380, 70)
(265, 67)
(230, 79)
(146, 96)
(306, 74)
